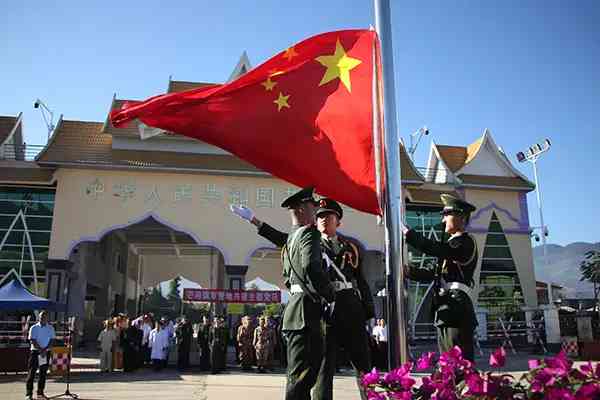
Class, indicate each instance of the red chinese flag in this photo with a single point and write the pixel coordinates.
(305, 116)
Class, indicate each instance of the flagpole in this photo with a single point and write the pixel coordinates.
(393, 207)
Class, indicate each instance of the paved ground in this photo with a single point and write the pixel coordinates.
(90, 384)
(170, 385)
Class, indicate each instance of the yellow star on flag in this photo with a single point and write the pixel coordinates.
(338, 65)
(282, 101)
(290, 53)
(269, 84)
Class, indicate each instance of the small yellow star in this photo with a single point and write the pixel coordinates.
(269, 84)
(338, 65)
(282, 101)
(290, 53)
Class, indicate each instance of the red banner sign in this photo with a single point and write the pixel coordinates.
(232, 296)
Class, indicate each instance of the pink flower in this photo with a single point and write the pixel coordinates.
(373, 395)
(425, 361)
(588, 391)
(370, 378)
(498, 357)
(401, 395)
(427, 386)
(559, 394)
(476, 384)
(533, 364)
(561, 364)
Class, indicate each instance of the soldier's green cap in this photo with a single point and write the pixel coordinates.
(454, 205)
(299, 197)
(327, 205)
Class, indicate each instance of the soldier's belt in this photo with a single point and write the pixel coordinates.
(337, 285)
(462, 287)
(295, 288)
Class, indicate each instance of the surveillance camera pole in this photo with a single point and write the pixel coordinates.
(47, 115)
(532, 155)
(418, 134)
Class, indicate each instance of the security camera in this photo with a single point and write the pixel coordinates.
(425, 131)
(536, 237)
(36, 104)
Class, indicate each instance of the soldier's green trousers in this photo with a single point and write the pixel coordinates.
(449, 337)
(352, 336)
(304, 354)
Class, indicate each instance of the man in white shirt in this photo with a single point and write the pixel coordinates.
(380, 333)
(40, 336)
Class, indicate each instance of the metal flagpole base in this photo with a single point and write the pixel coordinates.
(65, 394)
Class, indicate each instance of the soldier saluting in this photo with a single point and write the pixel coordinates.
(452, 277)
(309, 286)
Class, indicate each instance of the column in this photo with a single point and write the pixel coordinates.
(552, 325)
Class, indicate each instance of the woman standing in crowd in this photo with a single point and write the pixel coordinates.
(107, 339)
(244, 340)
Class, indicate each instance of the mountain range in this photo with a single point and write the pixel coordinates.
(562, 266)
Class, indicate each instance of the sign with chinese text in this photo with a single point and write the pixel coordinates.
(232, 296)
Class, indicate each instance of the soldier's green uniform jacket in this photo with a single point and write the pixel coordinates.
(354, 274)
(457, 262)
(345, 255)
(303, 267)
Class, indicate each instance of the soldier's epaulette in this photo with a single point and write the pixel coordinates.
(353, 253)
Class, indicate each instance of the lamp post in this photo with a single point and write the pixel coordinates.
(532, 155)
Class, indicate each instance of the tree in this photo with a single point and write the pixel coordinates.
(590, 270)
(174, 289)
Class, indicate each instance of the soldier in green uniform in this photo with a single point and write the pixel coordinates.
(452, 276)
(353, 302)
(218, 340)
(309, 286)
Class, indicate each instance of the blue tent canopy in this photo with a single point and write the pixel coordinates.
(14, 296)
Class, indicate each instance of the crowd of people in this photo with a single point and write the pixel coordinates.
(130, 344)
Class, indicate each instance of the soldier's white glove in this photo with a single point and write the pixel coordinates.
(331, 308)
(242, 212)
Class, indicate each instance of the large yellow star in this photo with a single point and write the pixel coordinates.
(282, 101)
(338, 65)
(269, 84)
(290, 53)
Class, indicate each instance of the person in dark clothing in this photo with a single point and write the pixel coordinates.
(131, 342)
(218, 340)
(203, 343)
(183, 335)
(452, 277)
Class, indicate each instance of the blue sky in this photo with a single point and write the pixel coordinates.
(527, 70)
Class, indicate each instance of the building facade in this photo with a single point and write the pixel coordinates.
(111, 212)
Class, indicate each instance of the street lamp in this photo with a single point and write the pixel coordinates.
(532, 155)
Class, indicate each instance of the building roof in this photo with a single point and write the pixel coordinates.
(504, 181)
(409, 172)
(85, 143)
(453, 156)
(7, 125)
(14, 171)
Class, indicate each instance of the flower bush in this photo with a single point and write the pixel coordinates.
(454, 377)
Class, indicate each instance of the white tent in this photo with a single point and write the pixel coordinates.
(260, 284)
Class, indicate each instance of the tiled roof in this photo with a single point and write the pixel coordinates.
(6, 126)
(453, 156)
(407, 168)
(12, 171)
(130, 129)
(77, 142)
(504, 181)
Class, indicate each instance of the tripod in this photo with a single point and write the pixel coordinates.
(67, 392)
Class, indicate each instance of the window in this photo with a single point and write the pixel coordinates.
(210, 192)
(499, 280)
(239, 197)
